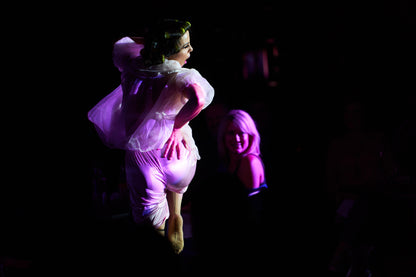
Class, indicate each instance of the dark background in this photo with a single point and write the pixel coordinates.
(59, 66)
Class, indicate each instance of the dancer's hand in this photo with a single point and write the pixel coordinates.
(173, 144)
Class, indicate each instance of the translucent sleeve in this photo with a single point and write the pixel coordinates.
(192, 76)
(125, 51)
(108, 119)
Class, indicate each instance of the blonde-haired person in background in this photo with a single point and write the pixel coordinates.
(234, 219)
(239, 149)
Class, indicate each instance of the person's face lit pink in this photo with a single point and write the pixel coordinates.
(236, 140)
(185, 50)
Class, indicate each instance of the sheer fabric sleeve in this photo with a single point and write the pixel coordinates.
(158, 124)
(192, 76)
(125, 52)
(108, 119)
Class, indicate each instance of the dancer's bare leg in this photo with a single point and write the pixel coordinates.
(161, 229)
(175, 222)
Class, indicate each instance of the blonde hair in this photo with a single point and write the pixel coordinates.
(245, 122)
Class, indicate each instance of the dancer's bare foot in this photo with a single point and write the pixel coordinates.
(175, 232)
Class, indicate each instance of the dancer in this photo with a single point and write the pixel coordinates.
(148, 116)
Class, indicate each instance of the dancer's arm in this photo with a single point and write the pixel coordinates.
(189, 111)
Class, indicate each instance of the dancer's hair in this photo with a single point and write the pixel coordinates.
(162, 40)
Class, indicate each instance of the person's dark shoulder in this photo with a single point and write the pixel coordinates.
(249, 161)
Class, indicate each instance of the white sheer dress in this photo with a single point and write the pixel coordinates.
(138, 116)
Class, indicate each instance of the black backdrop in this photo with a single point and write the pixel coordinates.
(59, 65)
